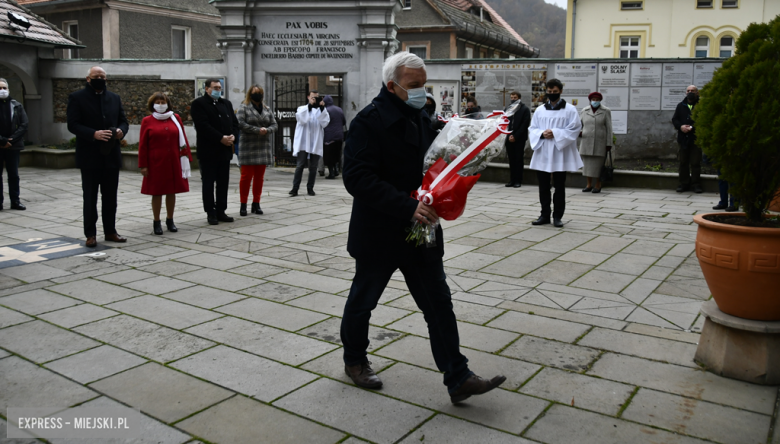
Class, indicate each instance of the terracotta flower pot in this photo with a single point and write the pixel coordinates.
(741, 266)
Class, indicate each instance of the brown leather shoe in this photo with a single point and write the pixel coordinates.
(91, 242)
(115, 238)
(363, 376)
(475, 386)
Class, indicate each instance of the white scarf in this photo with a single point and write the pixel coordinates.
(166, 116)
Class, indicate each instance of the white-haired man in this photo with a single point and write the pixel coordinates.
(382, 166)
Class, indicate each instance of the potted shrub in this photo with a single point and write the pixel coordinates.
(738, 127)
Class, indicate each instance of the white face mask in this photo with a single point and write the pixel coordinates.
(4, 93)
(160, 107)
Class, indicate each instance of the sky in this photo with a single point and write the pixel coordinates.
(561, 3)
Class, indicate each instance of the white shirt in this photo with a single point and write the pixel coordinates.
(559, 153)
(310, 130)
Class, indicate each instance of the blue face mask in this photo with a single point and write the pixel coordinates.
(595, 104)
(216, 94)
(417, 97)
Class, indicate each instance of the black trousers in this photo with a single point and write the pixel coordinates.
(313, 160)
(514, 152)
(428, 285)
(10, 159)
(690, 157)
(107, 180)
(332, 154)
(559, 199)
(211, 172)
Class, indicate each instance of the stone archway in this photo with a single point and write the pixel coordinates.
(30, 87)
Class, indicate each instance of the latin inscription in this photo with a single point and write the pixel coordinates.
(305, 45)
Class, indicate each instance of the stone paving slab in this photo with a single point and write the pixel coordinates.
(540, 326)
(10, 317)
(37, 301)
(272, 314)
(163, 311)
(473, 336)
(443, 429)
(582, 391)
(95, 364)
(96, 292)
(42, 342)
(77, 315)
(639, 345)
(28, 385)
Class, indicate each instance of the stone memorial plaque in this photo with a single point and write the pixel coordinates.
(645, 99)
(613, 74)
(646, 74)
(615, 98)
(677, 74)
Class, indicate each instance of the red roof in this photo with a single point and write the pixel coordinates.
(465, 5)
(40, 30)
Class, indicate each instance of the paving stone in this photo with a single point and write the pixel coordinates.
(563, 242)
(501, 409)
(685, 381)
(169, 268)
(240, 420)
(586, 392)
(642, 316)
(505, 247)
(125, 277)
(275, 292)
(96, 292)
(444, 429)
(4, 354)
(214, 261)
(37, 301)
(640, 289)
(649, 248)
(94, 364)
(536, 298)
(332, 365)
(77, 315)
(244, 373)
(584, 257)
(330, 329)
(472, 336)
(666, 333)
(26, 384)
(698, 418)
(163, 393)
(4, 430)
(258, 270)
(10, 317)
(162, 311)
(539, 326)
(685, 287)
(33, 272)
(472, 261)
(158, 285)
(534, 234)
(624, 263)
(674, 352)
(311, 281)
(334, 305)
(556, 354)
(272, 313)
(563, 425)
(144, 338)
(220, 279)
(343, 407)
(521, 263)
(604, 281)
(559, 272)
(606, 245)
(269, 342)
(205, 297)
(42, 342)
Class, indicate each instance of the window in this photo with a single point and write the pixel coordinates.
(496, 55)
(726, 46)
(407, 4)
(730, 4)
(482, 53)
(703, 4)
(287, 144)
(469, 52)
(702, 47)
(180, 42)
(629, 47)
(419, 51)
(630, 5)
(71, 29)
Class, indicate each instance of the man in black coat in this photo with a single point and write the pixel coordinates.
(383, 163)
(13, 127)
(216, 125)
(96, 117)
(690, 153)
(515, 142)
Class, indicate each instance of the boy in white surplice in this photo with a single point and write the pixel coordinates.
(553, 137)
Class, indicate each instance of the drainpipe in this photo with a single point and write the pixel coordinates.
(573, 25)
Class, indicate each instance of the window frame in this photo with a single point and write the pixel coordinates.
(731, 48)
(629, 48)
(187, 41)
(69, 53)
(469, 54)
(699, 6)
(423, 47)
(697, 47)
(723, 6)
(623, 4)
(407, 5)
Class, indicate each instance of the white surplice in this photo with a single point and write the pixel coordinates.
(310, 130)
(559, 153)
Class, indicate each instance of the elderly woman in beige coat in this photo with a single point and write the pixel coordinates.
(596, 140)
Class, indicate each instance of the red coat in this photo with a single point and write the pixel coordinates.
(159, 151)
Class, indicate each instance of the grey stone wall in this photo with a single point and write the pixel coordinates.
(440, 42)
(134, 94)
(145, 36)
(650, 135)
(15, 84)
(90, 30)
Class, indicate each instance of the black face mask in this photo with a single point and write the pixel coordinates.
(553, 97)
(256, 97)
(692, 97)
(430, 109)
(98, 84)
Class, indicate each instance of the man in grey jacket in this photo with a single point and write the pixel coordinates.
(13, 127)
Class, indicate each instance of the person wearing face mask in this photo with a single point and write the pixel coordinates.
(13, 127)
(333, 137)
(162, 149)
(311, 120)
(515, 142)
(96, 117)
(216, 126)
(257, 123)
(383, 164)
(473, 110)
(689, 153)
(596, 140)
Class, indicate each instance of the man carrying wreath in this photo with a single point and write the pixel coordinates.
(383, 163)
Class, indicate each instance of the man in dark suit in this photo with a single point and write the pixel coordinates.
(690, 153)
(96, 117)
(382, 165)
(216, 125)
(515, 142)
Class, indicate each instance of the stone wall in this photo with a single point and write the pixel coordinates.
(134, 94)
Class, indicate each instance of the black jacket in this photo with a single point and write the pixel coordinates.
(213, 119)
(18, 126)
(519, 123)
(89, 112)
(383, 162)
(682, 116)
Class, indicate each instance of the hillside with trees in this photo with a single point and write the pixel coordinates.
(541, 24)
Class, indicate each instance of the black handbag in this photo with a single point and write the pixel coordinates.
(608, 170)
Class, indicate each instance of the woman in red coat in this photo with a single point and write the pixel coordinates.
(163, 157)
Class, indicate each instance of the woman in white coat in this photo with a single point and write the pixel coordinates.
(596, 140)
